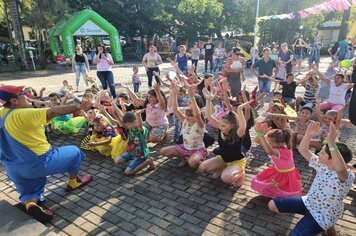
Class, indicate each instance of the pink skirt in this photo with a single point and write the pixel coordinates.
(203, 152)
(272, 183)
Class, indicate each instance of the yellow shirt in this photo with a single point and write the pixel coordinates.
(27, 126)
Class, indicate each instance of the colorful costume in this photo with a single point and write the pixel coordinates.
(67, 125)
(26, 154)
(115, 148)
(280, 180)
(137, 150)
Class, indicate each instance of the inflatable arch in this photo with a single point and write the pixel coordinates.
(84, 23)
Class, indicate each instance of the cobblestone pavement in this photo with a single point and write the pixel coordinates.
(168, 200)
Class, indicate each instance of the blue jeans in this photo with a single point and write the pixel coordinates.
(80, 68)
(150, 76)
(218, 63)
(264, 85)
(210, 60)
(135, 161)
(136, 87)
(107, 78)
(307, 225)
(195, 62)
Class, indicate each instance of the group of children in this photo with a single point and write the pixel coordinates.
(123, 129)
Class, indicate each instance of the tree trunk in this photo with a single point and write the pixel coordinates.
(17, 27)
(218, 34)
(345, 20)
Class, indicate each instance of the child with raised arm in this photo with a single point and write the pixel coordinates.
(155, 106)
(282, 179)
(231, 162)
(338, 89)
(301, 121)
(331, 116)
(193, 149)
(311, 86)
(288, 88)
(137, 149)
(323, 205)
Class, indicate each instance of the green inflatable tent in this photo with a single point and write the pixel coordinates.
(83, 23)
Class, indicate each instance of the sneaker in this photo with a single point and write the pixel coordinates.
(39, 213)
(82, 180)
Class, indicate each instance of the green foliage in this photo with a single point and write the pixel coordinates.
(186, 19)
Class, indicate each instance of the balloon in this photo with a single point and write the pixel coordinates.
(345, 63)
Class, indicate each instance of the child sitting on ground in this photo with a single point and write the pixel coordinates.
(311, 85)
(155, 106)
(104, 138)
(331, 116)
(282, 179)
(137, 149)
(230, 163)
(183, 102)
(302, 121)
(337, 93)
(193, 149)
(31, 93)
(288, 89)
(277, 122)
(323, 205)
(65, 88)
(93, 85)
(89, 117)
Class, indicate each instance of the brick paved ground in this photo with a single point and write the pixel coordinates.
(168, 200)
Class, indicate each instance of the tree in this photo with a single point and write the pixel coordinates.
(196, 18)
(16, 24)
(42, 15)
(344, 24)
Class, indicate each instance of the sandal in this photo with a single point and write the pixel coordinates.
(39, 213)
(82, 180)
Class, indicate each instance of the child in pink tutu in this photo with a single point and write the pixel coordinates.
(282, 179)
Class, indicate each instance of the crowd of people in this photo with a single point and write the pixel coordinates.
(125, 126)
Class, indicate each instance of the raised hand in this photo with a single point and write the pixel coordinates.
(332, 135)
(224, 84)
(317, 102)
(125, 86)
(190, 91)
(42, 89)
(173, 63)
(207, 94)
(261, 127)
(139, 111)
(313, 129)
(244, 105)
(174, 88)
(86, 105)
(157, 87)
